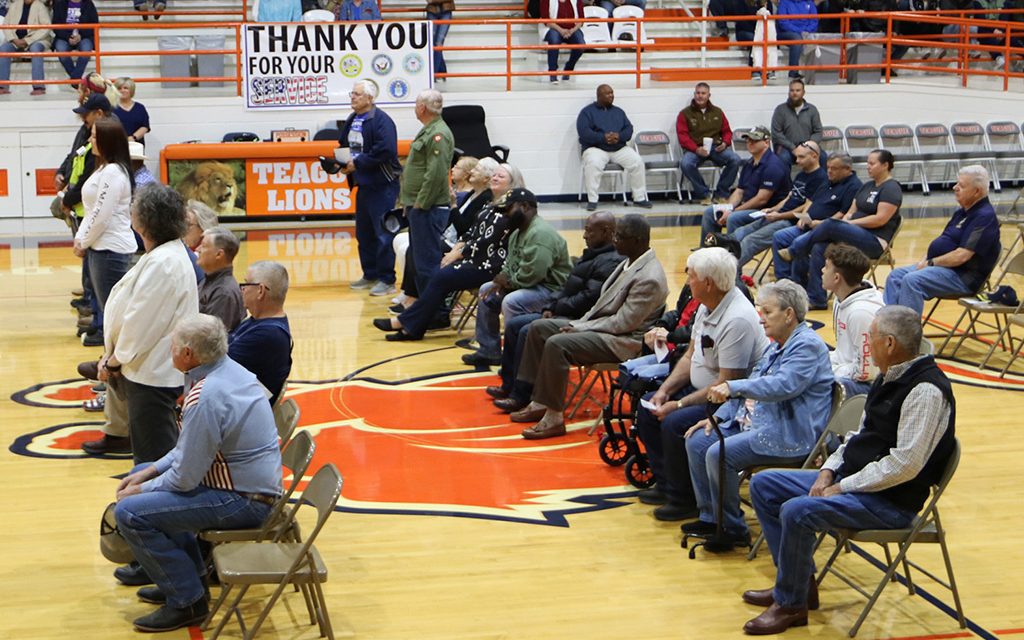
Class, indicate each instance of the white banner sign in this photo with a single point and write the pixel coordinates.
(315, 65)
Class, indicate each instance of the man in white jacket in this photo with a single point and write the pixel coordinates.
(855, 306)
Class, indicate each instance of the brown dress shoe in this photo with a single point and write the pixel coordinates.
(496, 392)
(766, 597)
(89, 370)
(528, 415)
(544, 429)
(510, 405)
(107, 444)
(776, 619)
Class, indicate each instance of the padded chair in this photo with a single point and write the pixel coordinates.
(971, 146)
(593, 32)
(899, 139)
(655, 148)
(935, 148)
(286, 417)
(629, 29)
(468, 123)
(860, 140)
(832, 140)
(975, 309)
(925, 528)
(887, 255)
(1004, 142)
(612, 170)
(329, 133)
(279, 563)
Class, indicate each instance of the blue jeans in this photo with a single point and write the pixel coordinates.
(510, 305)
(106, 269)
(791, 520)
(703, 452)
(808, 253)
(553, 37)
(794, 50)
(666, 450)
(37, 62)
(910, 286)
(376, 254)
(782, 240)
(758, 236)
(416, 318)
(161, 526)
(516, 330)
(855, 387)
(426, 227)
(440, 33)
(728, 160)
(74, 66)
(646, 368)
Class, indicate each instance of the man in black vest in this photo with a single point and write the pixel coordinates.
(879, 479)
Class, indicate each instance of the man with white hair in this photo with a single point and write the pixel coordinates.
(425, 193)
(960, 260)
(224, 472)
(372, 140)
(262, 343)
(878, 479)
(726, 342)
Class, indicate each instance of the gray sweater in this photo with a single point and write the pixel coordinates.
(790, 128)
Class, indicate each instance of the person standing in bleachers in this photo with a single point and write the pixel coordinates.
(133, 115)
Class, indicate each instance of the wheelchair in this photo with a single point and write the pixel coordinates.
(620, 446)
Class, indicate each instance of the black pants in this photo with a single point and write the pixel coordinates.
(152, 420)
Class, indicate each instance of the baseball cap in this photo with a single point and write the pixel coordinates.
(757, 133)
(92, 103)
(136, 150)
(514, 196)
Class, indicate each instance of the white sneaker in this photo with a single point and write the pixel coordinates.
(1000, 63)
(383, 289)
(399, 299)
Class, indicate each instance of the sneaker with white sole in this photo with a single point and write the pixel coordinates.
(362, 283)
(383, 289)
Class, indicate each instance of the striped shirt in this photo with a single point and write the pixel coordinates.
(923, 420)
(228, 437)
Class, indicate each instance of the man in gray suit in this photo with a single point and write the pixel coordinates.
(632, 298)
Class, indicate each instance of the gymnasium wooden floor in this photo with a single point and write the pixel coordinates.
(451, 526)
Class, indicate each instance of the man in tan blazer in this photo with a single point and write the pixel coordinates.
(632, 298)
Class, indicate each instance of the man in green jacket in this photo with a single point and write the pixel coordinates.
(425, 193)
(536, 267)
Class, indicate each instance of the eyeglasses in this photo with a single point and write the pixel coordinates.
(706, 342)
(243, 285)
(353, 94)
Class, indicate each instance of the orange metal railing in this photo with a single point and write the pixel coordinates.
(996, 38)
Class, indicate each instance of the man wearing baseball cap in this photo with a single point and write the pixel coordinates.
(764, 182)
(537, 265)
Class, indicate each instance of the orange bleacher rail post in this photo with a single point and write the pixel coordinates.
(636, 44)
(238, 59)
(99, 50)
(888, 47)
(508, 56)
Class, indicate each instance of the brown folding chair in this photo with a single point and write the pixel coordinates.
(280, 563)
(286, 417)
(925, 528)
(296, 458)
(468, 311)
(844, 417)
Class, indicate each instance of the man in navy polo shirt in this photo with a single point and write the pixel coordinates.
(960, 260)
(764, 182)
(834, 198)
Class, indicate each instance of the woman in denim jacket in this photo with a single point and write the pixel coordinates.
(772, 418)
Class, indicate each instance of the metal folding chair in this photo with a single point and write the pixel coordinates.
(243, 564)
(286, 417)
(887, 255)
(926, 528)
(655, 148)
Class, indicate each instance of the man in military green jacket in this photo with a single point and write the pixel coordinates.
(425, 193)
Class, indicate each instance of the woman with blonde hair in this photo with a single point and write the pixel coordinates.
(133, 115)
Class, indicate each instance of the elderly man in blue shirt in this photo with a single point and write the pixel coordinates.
(604, 130)
(773, 417)
(960, 260)
(224, 472)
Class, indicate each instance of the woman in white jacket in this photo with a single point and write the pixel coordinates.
(143, 308)
(105, 237)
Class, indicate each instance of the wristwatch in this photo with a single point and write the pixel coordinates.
(931, 263)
